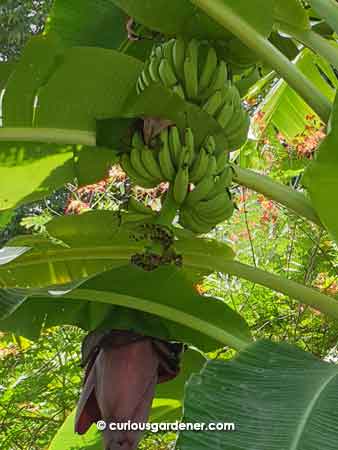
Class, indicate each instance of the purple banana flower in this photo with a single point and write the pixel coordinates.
(122, 370)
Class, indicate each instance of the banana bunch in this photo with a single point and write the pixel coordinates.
(142, 164)
(208, 204)
(194, 72)
(198, 175)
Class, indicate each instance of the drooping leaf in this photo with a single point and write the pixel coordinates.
(162, 303)
(30, 171)
(321, 177)
(182, 17)
(72, 250)
(266, 385)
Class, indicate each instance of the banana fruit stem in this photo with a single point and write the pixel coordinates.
(291, 199)
(299, 292)
(168, 211)
(225, 16)
(292, 289)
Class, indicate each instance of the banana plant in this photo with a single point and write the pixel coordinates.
(158, 89)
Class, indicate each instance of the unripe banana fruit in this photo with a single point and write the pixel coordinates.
(199, 176)
(192, 70)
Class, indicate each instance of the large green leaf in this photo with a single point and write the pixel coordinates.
(29, 171)
(88, 23)
(182, 17)
(92, 83)
(162, 303)
(66, 438)
(39, 59)
(291, 13)
(277, 396)
(82, 83)
(76, 247)
(94, 24)
(321, 177)
(285, 109)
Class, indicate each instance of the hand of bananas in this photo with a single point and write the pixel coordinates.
(199, 176)
(193, 71)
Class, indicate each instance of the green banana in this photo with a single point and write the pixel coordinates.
(210, 145)
(153, 70)
(168, 51)
(201, 190)
(150, 163)
(181, 184)
(209, 68)
(221, 159)
(190, 144)
(179, 91)
(137, 140)
(138, 207)
(199, 166)
(231, 95)
(167, 75)
(188, 220)
(214, 103)
(239, 120)
(212, 165)
(219, 80)
(191, 70)
(175, 145)
(158, 53)
(225, 115)
(179, 57)
(144, 78)
(216, 218)
(136, 162)
(214, 205)
(237, 137)
(140, 84)
(185, 157)
(189, 139)
(134, 175)
(221, 183)
(166, 163)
